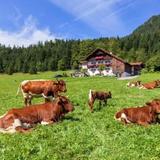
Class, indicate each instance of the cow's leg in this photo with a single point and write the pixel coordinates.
(1, 123)
(105, 102)
(124, 121)
(29, 102)
(142, 123)
(23, 130)
(46, 122)
(55, 94)
(47, 100)
(25, 101)
(25, 95)
(49, 120)
(91, 105)
(100, 103)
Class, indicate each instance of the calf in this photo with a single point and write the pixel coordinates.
(150, 85)
(48, 89)
(23, 119)
(141, 115)
(134, 84)
(99, 95)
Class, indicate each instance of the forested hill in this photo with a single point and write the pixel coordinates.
(142, 45)
(144, 42)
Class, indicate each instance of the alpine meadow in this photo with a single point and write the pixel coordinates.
(82, 134)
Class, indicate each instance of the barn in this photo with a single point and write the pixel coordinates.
(102, 62)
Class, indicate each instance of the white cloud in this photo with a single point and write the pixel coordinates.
(27, 35)
(102, 15)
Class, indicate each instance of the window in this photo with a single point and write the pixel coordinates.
(100, 62)
(107, 61)
(93, 70)
(108, 69)
(93, 62)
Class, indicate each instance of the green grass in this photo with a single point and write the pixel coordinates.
(82, 135)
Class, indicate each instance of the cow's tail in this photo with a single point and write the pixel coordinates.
(90, 95)
(18, 90)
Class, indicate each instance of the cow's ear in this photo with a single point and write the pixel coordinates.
(59, 82)
(56, 82)
(152, 109)
(148, 103)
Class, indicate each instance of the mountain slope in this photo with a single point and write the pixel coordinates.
(144, 42)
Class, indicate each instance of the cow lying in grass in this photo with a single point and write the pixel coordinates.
(99, 95)
(48, 89)
(134, 84)
(141, 115)
(150, 85)
(23, 119)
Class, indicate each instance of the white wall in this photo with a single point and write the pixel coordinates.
(104, 72)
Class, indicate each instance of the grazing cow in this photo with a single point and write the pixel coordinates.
(141, 115)
(150, 85)
(99, 95)
(23, 119)
(134, 84)
(48, 89)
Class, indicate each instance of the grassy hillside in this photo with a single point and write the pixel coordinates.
(81, 134)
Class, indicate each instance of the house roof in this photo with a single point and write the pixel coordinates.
(106, 52)
(136, 63)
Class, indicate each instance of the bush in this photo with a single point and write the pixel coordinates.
(61, 65)
(153, 63)
(144, 70)
(33, 70)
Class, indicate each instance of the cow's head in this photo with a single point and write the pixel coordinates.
(155, 105)
(109, 95)
(138, 83)
(61, 85)
(157, 83)
(118, 115)
(67, 106)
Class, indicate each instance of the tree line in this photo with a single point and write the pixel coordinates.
(48, 56)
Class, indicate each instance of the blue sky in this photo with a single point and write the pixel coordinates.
(24, 22)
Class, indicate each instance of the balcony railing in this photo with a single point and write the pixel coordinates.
(91, 65)
(99, 57)
(108, 63)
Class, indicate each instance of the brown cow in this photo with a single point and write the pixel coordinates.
(134, 84)
(99, 95)
(141, 115)
(150, 85)
(23, 119)
(48, 89)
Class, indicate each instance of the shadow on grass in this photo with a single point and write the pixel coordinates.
(69, 118)
(98, 108)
